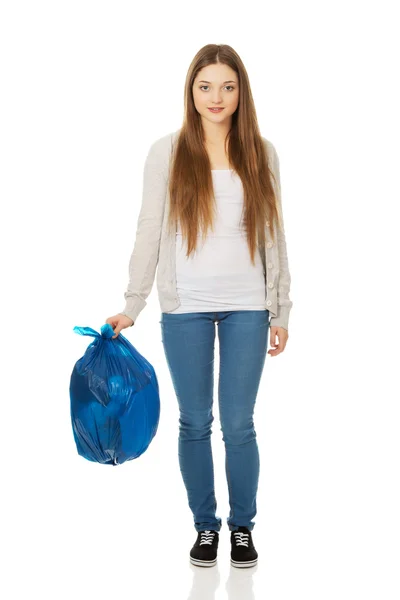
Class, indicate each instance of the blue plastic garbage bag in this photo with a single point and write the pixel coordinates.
(115, 402)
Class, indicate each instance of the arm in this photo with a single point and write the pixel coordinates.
(144, 258)
(284, 302)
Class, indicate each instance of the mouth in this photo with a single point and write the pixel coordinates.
(216, 110)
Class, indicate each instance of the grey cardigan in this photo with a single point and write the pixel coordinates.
(154, 246)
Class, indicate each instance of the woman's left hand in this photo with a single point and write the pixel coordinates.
(282, 335)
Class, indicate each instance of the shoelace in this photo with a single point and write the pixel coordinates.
(241, 539)
(207, 537)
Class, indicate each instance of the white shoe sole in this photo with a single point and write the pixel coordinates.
(244, 564)
(203, 563)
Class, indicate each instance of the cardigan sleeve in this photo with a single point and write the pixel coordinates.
(144, 257)
(284, 302)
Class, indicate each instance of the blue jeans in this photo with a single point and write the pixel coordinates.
(188, 340)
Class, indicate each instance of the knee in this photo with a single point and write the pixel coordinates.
(239, 434)
(195, 426)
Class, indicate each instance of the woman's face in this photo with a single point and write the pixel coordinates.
(216, 86)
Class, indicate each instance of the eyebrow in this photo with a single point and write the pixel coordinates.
(203, 81)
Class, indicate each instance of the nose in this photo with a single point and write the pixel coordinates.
(216, 99)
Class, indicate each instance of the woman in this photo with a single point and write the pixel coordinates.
(207, 175)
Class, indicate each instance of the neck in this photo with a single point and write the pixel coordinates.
(215, 133)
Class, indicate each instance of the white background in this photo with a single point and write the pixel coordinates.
(86, 88)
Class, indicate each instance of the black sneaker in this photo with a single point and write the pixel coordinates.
(204, 550)
(243, 553)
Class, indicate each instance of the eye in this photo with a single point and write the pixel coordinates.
(228, 86)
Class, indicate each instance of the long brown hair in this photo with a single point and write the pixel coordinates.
(192, 199)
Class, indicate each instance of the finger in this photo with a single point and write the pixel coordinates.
(276, 350)
(116, 332)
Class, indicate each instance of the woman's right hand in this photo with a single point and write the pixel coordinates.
(119, 322)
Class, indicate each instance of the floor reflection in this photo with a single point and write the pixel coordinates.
(206, 581)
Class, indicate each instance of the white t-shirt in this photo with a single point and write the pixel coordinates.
(219, 276)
